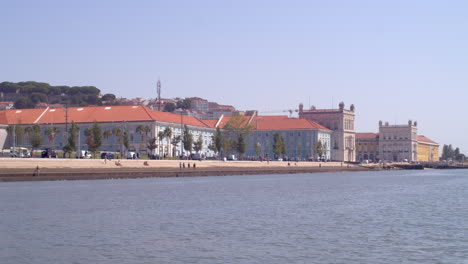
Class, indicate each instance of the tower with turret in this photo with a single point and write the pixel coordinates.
(341, 121)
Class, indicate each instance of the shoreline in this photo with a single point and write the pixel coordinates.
(12, 170)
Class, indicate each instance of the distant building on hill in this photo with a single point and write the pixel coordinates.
(6, 105)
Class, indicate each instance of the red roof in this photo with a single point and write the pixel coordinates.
(285, 124)
(210, 122)
(130, 113)
(226, 119)
(426, 140)
(367, 135)
(3, 119)
(281, 122)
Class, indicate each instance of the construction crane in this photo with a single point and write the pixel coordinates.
(290, 111)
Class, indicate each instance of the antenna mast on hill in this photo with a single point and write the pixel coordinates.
(158, 88)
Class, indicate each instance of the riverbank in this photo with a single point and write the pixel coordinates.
(16, 169)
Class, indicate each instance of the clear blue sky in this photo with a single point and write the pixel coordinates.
(395, 60)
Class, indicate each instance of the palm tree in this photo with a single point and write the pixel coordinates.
(28, 131)
(51, 132)
(168, 135)
(140, 129)
(107, 134)
(174, 141)
(161, 136)
(117, 132)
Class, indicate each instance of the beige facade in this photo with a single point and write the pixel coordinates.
(341, 122)
(398, 142)
(3, 135)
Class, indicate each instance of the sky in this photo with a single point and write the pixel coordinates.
(394, 60)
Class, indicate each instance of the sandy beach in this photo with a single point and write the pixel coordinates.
(17, 169)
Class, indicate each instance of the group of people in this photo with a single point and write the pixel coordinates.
(182, 165)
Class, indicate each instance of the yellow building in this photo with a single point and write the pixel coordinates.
(367, 147)
(428, 150)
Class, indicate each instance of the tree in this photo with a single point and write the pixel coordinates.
(257, 148)
(168, 135)
(143, 131)
(19, 133)
(198, 145)
(51, 132)
(161, 136)
(169, 107)
(108, 97)
(318, 149)
(93, 137)
(36, 138)
(28, 132)
(71, 145)
(174, 141)
(279, 148)
(217, 141)
(240, 145)
(23, 102)
(187, 139)
(107, 134)
(125, 139)
(184, 103)
(152, 144)
(237, 128)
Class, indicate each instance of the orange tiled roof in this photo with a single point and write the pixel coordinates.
(3, 119)
(22, 116)
(210, 122)
(426, 140)
(226, 119)
(367, 135)
(285, 124)
(91, 114)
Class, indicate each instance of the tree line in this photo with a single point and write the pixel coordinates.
(29, 94)
(449, 153)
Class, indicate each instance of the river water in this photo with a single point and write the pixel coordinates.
(360, 217)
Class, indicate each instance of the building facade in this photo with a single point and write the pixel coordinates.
(139, 122)
(398, 142)
(428, 150)
(367, 147)
(3, 130)
(300, 136)
(341, 122)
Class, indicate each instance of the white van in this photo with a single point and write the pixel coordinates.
(83, 154)
(20, 153)
(131, 155)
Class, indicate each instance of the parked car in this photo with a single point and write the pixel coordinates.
(48, 153)
(83, 154)
(107, 155)
(20, 153)
(154, 157)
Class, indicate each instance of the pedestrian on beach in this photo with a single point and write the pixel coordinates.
(188, 165)
(194, 165)
(36, 172)
(183, 165)
(180, 165)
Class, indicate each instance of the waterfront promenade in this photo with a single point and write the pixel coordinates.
(16, 169)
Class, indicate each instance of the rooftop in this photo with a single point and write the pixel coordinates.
(129, 113)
